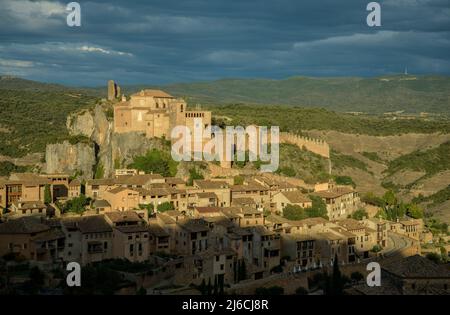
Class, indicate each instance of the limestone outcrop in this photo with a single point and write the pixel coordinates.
(70, 158)
(108, 150)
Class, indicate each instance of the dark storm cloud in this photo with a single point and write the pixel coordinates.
(172, 41)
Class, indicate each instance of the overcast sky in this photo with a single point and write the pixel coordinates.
(166, 41)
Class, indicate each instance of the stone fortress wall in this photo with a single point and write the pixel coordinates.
(316, 146)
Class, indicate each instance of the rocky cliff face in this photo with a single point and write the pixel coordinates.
(108, 150)
(70, 158)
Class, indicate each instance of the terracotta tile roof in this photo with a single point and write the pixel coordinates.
(119, 190)
(244, 201)
(193, 225)
(416, 267)
(210, 184)
(334, 193)
(249, 187)
(138, 179)
(329, 236)
(206, 195)
(24, 205)
(28, 179)
(50, 235)
(135, 228)
(23, 225)
(295, 197)
(123, 216)
(273, 218)
(261, 230)
(92, 224)
(174, 180)
(350, 224)
(102, 181)
(208, 209)
(99, 203)
(343, 232)
(165, 218)
(156, 230)
(152, 93)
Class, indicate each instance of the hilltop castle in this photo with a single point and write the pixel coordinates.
(155, 113)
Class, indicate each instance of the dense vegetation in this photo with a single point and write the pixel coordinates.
(294, 212)
(6, 168)
(430, 161)
(341, 161)
(30, 119)
(295, 162)
(394, 209)
(435, 199)
(155, 161)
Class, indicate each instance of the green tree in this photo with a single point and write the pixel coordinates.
(414, 211)
(294, 212)
(155, 161)
(193, 175)
(334, 285)
(318, 209)
(47, 195)
(344, 180)
(165, 206)
(77, 204)
(376, 248)
(389, 198)
(99, 171)
(360, 214)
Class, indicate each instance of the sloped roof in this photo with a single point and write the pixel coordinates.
(152, 93)
(93, 224)
(210, 184)
(416, 267)
(23, 225)
(295, 197)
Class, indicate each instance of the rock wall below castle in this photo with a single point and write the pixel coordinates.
(70, 158)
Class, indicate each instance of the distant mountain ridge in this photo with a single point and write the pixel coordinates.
(408, 93)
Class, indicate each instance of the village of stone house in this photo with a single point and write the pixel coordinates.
(211, 228)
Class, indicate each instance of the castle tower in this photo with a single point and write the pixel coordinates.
(113, 90)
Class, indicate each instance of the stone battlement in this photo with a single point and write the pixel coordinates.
(316, 146)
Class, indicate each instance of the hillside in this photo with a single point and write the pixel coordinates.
(19, 84)
(412, 94)
(297, 119)
(31, 119)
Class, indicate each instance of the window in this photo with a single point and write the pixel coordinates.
(131, 249)
(130, 237)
